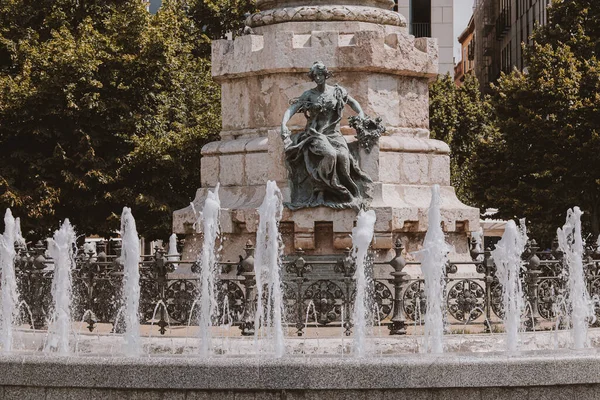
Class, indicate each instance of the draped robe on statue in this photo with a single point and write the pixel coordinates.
(323, 170)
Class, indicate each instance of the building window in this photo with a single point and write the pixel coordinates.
(420, 18)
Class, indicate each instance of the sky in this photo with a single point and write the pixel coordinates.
(463, 9)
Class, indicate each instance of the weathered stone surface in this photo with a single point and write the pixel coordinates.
(326, 13)
(232, 170)
(266, 109)
(276, 50)
(209, 171)
(587, 392)
(258, 167)
(415, 168)
(23, 392)
(439, 170)
(410, 371)
(390, 171)
(270, 4)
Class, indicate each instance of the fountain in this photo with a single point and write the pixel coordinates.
(387, 366)
(578, 298)
(362, 235)
(269, 316)
(62, 250)
(294, 170)
(10, 295)
(434, 257)
(208, 270)
(172, 252)
(509, 264)
(131, 283)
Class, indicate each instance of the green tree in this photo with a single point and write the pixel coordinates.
(540, 160)
(215, 19)
(443, 112)
(458, 116)
(101, 105)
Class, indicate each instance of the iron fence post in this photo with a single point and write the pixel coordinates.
(246, 270)
(533, 277)
(88, 274)
(36, 295)
(399, 278)
(487, 268)
(160, 274)
(299, 267)
(346, 266)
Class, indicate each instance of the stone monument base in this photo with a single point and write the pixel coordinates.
(242, 165)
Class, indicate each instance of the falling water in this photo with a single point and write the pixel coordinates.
(571, 244)
(172, 254)
(62, 251)
(478, 239)
(433, 258)
(507, 257)
(266, 267)
(19, 239)
(310, 305)
(131, 283)
(362, 235)
(207, 301)
(10, 294)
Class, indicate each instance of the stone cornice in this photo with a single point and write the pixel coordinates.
(270, 4)
(326, 13)
(283, 51)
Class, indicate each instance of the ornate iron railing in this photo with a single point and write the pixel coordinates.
(318, 290)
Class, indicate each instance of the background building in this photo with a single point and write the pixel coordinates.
(500, 28)
(466, 64)
(432, 18)
(154, 5)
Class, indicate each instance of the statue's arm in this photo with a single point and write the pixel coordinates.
(356, 107)
(285, 132)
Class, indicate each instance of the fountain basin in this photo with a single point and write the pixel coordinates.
(314, 368)
(528, 375)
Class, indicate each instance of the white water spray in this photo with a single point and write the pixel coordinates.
(433, 258)
(571, 244)
(207, 301)
(172, 254)
(362, 235)
(266, 267)
(478, 238)
(507, 257)
(10, 294)
(62, 251)
(131, 283)
(19, 239)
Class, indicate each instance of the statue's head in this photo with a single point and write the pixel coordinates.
(318, 68)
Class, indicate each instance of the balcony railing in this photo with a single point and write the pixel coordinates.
(503, 24)
(420, 29)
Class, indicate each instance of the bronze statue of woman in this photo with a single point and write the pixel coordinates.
(323, 170)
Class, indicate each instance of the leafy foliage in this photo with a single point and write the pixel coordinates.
(540, 160)
(458, 116)
(101, 105)
(214, 19)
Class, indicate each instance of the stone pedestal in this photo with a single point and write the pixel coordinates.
(385, 69)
